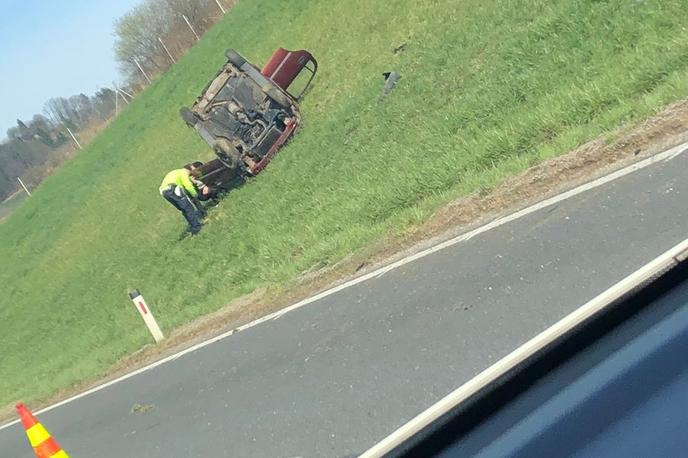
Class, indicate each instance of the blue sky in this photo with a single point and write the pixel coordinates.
(51, 48)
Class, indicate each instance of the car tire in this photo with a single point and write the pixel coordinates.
(189, 117)
(227, 153)
(234, 58)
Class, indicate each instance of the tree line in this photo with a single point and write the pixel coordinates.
(35, 147)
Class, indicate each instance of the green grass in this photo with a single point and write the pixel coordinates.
(488, 88)
(11, 203)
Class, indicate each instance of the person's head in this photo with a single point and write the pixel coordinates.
(193, 166)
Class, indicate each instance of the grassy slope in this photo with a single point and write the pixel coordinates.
(11, 204)
(489, 87)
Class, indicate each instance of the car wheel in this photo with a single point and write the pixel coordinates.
(189, 117)
(234, 58)
(227, 153)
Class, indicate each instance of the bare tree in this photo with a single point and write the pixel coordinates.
(139, 31)
(137, 35)
(61, 111)
(43, 130)
(103, 103)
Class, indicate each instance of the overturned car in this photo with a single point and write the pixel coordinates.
(246, 114)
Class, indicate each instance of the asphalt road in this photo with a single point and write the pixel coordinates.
(337, 375)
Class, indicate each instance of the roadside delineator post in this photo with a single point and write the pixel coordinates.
(147, 315)
(44, 446)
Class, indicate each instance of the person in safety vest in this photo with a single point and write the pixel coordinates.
(180, 188)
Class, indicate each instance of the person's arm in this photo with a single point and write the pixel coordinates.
(200, 186)
(188, 185)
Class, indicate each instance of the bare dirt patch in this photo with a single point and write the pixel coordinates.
(586, 163)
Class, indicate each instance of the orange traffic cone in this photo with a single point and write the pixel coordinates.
(43, 444)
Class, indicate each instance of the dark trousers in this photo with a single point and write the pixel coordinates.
(185, 205)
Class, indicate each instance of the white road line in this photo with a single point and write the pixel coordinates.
(584, 313)
(664, 156)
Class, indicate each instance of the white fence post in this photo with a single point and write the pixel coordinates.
(147, 315)
(192, 29)
(74, 138)
(220, 5)
(24, 186)
(169, 54)
(141, 68)
(122, 93)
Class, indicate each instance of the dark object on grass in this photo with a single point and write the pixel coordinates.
(391, 79)
(219, 178)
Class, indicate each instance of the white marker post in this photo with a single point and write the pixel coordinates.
(147, 315)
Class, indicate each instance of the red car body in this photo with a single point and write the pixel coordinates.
(246, 114)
